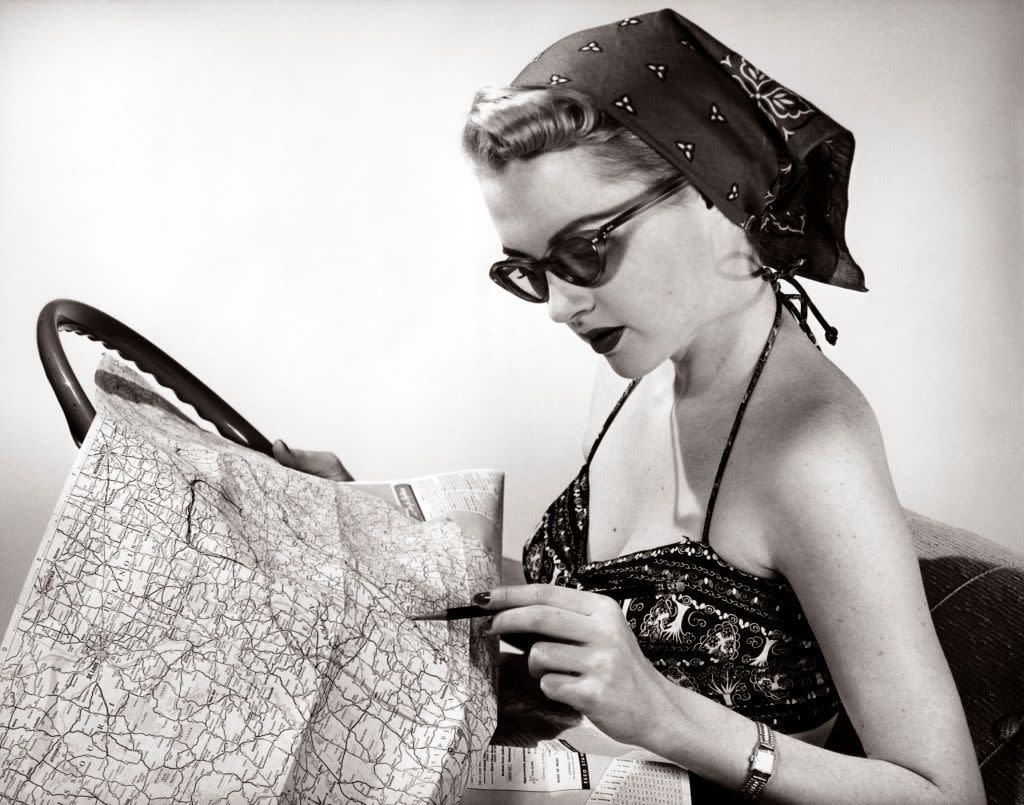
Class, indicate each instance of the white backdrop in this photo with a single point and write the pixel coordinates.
(274, 193)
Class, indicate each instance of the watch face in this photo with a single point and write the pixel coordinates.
(764, 762)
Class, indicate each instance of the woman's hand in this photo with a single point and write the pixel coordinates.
(592, 661)
(314, 462)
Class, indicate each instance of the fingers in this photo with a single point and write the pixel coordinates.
(321, 463)
(546, 657)
(540, 619)
(336, 470)
(565, 688)
(284, 455)
(522, 595)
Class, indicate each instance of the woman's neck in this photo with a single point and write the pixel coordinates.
(724, 351)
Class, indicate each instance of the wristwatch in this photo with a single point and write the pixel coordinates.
(762, 763)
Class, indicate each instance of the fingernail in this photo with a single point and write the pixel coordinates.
(287, 449)
(482, 599)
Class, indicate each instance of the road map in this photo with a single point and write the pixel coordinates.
(201, 624)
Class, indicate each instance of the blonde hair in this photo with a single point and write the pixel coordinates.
(513, 123)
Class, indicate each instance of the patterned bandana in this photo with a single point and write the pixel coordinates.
(769, 160)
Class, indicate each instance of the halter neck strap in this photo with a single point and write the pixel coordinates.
(762, 359)
(758, 367)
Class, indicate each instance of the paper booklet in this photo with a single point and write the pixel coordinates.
(545, 753)
(201, 624)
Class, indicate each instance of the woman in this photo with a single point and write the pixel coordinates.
(654, 190)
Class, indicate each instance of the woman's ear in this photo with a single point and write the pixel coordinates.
(734, 255)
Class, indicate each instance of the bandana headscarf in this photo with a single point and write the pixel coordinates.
(766, 158)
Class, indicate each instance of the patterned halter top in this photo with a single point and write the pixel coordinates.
(732, 636)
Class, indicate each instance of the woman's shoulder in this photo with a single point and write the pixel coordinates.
(820, 449)
(809, 403)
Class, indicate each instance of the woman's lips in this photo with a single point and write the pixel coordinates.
(605, 341)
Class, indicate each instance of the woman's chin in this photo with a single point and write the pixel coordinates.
(626, 366)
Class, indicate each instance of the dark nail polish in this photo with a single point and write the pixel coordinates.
(482, 599)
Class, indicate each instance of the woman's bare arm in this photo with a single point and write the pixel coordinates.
(841, 540)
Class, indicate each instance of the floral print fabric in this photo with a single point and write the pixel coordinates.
(736, 638)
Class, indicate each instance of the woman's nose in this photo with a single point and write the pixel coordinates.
(564, 299)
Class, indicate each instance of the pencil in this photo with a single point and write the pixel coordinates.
(619, 593)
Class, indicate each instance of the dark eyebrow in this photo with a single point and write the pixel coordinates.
(572, 226)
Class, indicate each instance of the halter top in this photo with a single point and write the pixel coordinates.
(732, 636)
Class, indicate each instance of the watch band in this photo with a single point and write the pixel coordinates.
(762, 763)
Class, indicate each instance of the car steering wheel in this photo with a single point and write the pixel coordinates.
(67, 314)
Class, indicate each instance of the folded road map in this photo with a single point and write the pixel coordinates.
(201, 624)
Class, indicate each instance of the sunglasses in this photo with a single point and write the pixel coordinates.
(578, 259)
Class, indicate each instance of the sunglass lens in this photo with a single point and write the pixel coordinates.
(525, 283)
(577, 261)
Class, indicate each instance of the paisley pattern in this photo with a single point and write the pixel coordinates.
(779, 104)
(737, 638)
